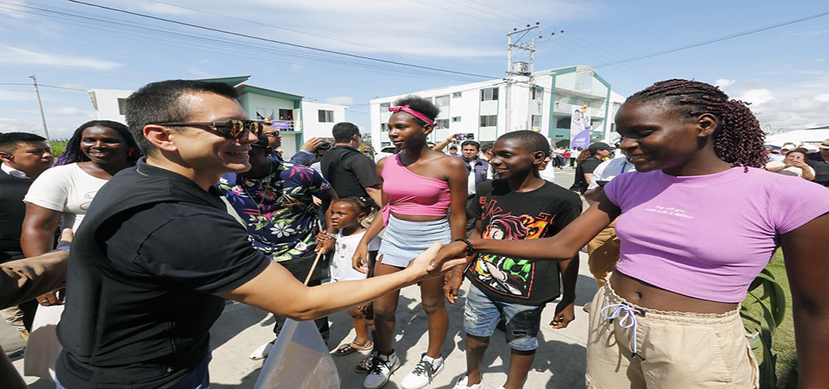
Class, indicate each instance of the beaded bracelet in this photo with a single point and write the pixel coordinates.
(469, 249)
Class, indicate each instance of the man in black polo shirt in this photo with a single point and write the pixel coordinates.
(350, 173)
(820, 162)
(157, 253)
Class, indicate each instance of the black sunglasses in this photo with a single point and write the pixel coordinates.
(230, 129)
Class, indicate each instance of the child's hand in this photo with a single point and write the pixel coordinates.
(452, 284)
(564, 314)
(360, 259)
(325, 244)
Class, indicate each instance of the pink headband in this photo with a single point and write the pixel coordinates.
(405, 108)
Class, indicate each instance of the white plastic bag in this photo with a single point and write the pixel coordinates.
(299, 359)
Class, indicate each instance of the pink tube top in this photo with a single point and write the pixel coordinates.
(412, 194)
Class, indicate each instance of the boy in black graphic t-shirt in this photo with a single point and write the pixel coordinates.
(518, 205)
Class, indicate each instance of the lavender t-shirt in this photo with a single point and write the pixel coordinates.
(708, 236)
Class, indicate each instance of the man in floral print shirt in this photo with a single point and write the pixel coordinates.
(275, 199)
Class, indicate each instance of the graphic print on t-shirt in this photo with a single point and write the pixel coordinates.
(502, 274)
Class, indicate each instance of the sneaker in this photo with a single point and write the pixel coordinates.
(381, 368)
(262, 352)
(461, 384)
(423, 373)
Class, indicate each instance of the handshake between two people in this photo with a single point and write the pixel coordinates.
(433, 262)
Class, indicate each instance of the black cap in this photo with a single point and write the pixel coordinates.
(599, 146)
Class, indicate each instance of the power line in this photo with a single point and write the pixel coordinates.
(254, 37)
(43, 86)
(322, 61)
(715, 40)
(311, 34)
(459, 12)
(501, 10)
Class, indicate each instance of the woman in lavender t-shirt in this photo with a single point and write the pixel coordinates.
(698, 221)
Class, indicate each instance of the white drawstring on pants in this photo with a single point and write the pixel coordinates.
(627, 320)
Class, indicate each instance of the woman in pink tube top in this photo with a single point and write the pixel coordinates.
(424, 198)
(698, 221)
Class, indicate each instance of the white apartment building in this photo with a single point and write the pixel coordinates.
(542, 101)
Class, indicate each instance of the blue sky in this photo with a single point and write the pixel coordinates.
(72, 46)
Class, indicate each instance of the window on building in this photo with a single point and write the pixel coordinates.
(457, 94)
(326, 116)
(537, 93)
(489, 120)
(563, 122)
(489, 94)
(536, 121)
(264, 113)
(384, 107)
(384, 127)
(122, 106)
(286, 114)
(442, 123)
(456, 119)
(442, 101)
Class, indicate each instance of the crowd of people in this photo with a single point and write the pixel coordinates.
(191, 204)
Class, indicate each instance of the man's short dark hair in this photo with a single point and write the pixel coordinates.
(11, 140)
(344, 132)
(471, 143)
(529, 140)
(487, 145)
(160, 102)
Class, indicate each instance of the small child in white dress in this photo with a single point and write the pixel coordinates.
(346, 214)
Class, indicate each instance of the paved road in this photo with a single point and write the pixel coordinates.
(559, 361)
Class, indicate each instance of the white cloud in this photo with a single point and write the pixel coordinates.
(70, 112)
(163, 8)
(724, 83)
(756, 96)
(17, 96)
(22, 56)
(340, 100)
(423, 29)
(201, 73)
(786, 106)
(18, 125)
(14, 10)
(75, 86)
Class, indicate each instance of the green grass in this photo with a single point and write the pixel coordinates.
(783, 340)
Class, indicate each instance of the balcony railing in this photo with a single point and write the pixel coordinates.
(282, 125)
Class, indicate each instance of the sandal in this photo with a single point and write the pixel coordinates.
(365, 365)
(352, 347)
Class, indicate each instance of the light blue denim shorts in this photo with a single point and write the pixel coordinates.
(481, 315)
(404, 240)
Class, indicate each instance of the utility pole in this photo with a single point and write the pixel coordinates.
(40, 106)
(517, 69)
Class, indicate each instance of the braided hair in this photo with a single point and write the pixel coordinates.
(738, 138)
(363, 204)
(73, 151)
